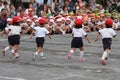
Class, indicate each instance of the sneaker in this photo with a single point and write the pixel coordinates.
(16, 55)
(3, 52)
(69, 55)
(63, 32)
(34, 56)
(42, 57)
(103, 61)
(82, 60)
(106, 58)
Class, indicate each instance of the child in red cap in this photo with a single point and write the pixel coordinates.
(78, 33)
(40, 32)
(13, 31)
(107, 34)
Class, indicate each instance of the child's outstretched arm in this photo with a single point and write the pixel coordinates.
(97, 37)
(1, 33)
(32, 34)
(87, 38)
(49, 36)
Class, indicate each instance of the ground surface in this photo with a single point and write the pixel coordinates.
(57, 66)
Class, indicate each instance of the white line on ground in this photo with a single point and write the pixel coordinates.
(3, 39)
(64, 77)
(10, 78)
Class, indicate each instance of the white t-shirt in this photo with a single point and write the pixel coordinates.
(39, 1)
(107, 32)
(1, 7)
(14, 30)
(79, 32)
(40, 31)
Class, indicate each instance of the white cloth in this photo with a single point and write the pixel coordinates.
(14, 30)
(39, 1)
(107, 32)
(40, 31)
(79, 32)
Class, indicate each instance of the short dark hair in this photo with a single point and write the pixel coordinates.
(78, 26)
(108, 26)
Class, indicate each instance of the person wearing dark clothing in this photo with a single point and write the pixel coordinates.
(104, 3)
(45, 1)
(3, 19)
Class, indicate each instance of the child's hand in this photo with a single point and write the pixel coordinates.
(89, 42)
(30, 37)
(96, 40)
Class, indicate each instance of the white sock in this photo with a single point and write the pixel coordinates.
(41, 54)
(81, 54)
(71, 51)
(104, 55)
(12, 51)
(7, 48)
(16, 54)
(36, 53)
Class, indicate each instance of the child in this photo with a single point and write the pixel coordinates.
(107, 34)
(40, 33)
(5, 31)
(13, 32)
(77, 42)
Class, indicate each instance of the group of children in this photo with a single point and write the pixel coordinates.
(18, 27)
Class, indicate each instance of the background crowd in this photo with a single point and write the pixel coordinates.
(61, 14)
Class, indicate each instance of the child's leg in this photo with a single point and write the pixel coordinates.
(4, 50)
(108, 52)
(15, 51)
(39, 51)
(105, 54)
(71, 52)
(42, 56)
(81, 57)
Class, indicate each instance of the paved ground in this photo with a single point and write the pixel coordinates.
(56, 66)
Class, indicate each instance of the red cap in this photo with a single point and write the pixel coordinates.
(16, 19)
(109, 22)
(78, 22)
(42, 21)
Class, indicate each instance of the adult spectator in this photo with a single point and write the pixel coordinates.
(80, 3)
(55, 6)
(39, 1)
(16, 3)
(6, 6)
(12, 10)
(39, 9)
(118, 7)
(64, 11)
(45, 1)
(3, 19)
(104, 3)
(25, 3)
(1, 6)
(34, 4)
(22, 14)
(44, 12)
(94, 4)
(69, 5)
